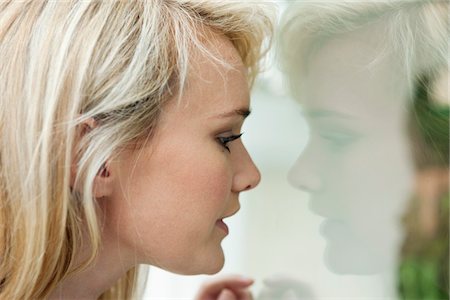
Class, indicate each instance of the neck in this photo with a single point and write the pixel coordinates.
(108, 267)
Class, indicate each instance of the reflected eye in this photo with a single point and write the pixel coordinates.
(339, 139)
(224, 140)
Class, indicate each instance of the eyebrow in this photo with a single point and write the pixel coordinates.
(323, 113)
(244, 112)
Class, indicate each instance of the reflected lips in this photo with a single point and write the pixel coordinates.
(222, 225)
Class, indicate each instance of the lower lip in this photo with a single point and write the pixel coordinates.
(222, 226)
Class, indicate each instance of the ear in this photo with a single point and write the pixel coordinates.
(102, 185)
(103, 182)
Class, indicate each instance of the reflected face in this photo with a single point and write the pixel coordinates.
(170, 197)
(357, 164)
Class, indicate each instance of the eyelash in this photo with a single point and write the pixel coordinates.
(228, 139)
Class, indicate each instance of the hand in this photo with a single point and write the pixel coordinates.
(284, 287)
(232, 287)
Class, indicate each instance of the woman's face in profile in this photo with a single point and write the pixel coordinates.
(357, 165)
(168, 199)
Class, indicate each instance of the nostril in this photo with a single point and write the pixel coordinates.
(307, 182)
(311, 184)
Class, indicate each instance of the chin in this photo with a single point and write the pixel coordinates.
(202, 265)
(212, 271)
(352, 261)
(214, 264)
(343, 267)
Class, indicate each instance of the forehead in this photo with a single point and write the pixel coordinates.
(354, 73)
(218, 45)
(217, 78)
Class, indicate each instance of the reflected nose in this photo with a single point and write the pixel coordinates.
(246, 174)
(302, 176)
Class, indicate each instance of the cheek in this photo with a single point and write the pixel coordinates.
(372, 187)
(168, 206)
(375, 169)
(194, 184)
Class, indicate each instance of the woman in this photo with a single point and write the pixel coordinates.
(120, 127)
(354, 66)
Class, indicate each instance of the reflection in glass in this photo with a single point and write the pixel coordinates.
(366, 75)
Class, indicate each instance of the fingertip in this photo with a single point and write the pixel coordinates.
(240, 279)
(247, 280)
(226, 294)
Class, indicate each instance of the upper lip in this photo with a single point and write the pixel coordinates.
(229, 215)
(318, 212)
(322, 210)
(327, 215)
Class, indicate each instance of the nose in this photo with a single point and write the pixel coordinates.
(303, 176)
(246, 174)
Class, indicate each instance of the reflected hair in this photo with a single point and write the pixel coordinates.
(415, 32)
(62, 63)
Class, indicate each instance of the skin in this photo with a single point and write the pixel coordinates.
(161, 204)
(231, 287)
(357, 165)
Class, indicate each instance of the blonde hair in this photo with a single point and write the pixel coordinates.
(415, 32)
(63, 62)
